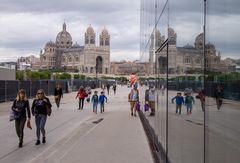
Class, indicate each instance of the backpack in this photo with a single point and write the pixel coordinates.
(188, 99)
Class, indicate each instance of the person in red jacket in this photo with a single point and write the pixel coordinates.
(81, 95)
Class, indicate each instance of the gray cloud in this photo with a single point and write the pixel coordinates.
(27, 25)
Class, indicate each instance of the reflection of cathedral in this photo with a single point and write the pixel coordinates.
(86, 59)
(185, 59)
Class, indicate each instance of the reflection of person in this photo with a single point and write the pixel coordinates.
(179, 101)
(189, 100)
(219, 96)
(133, 98)
(201, 97)
(133, 79)
(58, 93)
(114, 88)
(40, 111)
(108, 88)
(101, 100)
(81, 95)
(21, 107)
(150, 99)
(95, 101)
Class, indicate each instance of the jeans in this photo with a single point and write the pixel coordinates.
(19, 125)
(40, 120)
(81, 103)
(189, 107)
(95, 107)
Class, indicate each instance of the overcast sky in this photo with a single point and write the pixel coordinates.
(26, 25)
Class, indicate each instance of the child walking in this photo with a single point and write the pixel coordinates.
(189, 100)
(179, 101)
(95, 101)
(101, 99)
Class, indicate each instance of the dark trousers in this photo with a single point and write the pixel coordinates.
(19, 125)
(81, 103)
(57, 101)
(102, 107)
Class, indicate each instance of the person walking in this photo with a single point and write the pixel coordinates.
(133, 98)
(189, 100)
(95, 101)
(219, 96)
(101, 100)
(108, 88)
(114, 88)
(81, 95)
(21, 111)
(179, 102)
(150, 99)
(58, 94)
(201, 97)
(40, 109)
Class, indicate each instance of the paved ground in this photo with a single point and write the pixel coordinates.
(73, 137)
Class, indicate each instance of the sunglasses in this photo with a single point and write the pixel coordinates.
(39, 93)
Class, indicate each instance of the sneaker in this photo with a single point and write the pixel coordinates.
(44, 140)
(151, 114)
(135, 114)
(131, 114)
(38, 142)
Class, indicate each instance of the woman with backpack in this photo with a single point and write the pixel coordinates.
(21, 111)
(41, 107)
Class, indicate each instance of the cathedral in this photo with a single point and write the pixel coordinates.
(87, 59)
(186, 59)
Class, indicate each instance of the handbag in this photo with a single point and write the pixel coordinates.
(29, 125)
(12, 115)
(49, 110)
(146, 107)
(138, 106)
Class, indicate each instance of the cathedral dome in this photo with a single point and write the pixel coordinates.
(64, 39)
(157, 33)
(199, 41)
(90, 30)
(104, 32)
(50, 44)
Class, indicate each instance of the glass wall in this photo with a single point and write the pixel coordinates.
(222, 116)
(193, 50)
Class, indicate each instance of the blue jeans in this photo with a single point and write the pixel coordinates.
(95, 107)
(189, 107)
(40, 120)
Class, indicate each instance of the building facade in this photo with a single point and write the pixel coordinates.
(88, 59)
(186, 59)
(128, 67)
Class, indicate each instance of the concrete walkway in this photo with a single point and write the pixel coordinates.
(111, 137)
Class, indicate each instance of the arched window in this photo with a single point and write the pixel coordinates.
(198, 61)
(91, 70)
(76, 59)
(69, 59)
(86, 70)
(92, 41)
(63, 59)
(107, 42)
(187, 60)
